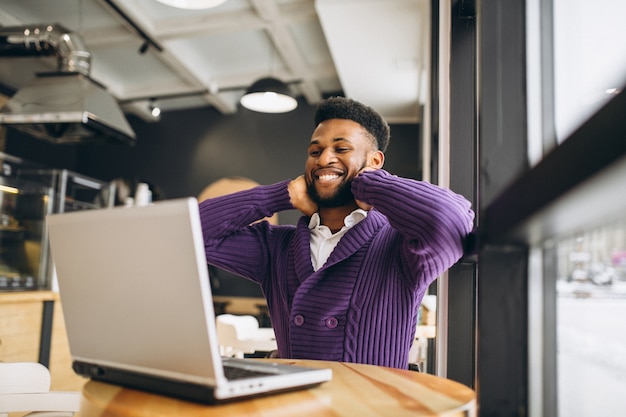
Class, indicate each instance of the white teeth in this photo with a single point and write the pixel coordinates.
(328, 177)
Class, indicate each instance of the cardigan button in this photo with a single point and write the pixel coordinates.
(331, 322)
(298, 320)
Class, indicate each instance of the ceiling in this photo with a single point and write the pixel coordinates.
(375, 51)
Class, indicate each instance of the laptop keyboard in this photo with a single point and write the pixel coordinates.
(233, 372)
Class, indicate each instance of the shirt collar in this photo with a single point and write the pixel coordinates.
(350, 220)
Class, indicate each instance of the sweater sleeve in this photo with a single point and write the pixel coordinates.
(231, 241)
(433, 221)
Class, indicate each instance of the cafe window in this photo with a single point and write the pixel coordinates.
(589, 59)
(591, 330)
(576, 71)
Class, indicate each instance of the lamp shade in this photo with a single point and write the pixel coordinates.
(269, 95)
(192, 4)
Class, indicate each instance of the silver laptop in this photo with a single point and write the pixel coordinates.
(137, 303)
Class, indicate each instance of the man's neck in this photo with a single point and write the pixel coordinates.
(333, 217)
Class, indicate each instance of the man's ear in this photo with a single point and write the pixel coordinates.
(376, 159)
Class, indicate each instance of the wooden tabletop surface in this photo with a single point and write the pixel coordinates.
(27, 296)
(355, 390)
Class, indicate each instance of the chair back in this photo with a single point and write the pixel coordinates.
(232, 330)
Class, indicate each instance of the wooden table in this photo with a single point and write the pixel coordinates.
(355, 390)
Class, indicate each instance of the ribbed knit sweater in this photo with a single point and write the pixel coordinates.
(362, 305)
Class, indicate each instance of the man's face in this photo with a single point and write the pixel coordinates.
(338, 150)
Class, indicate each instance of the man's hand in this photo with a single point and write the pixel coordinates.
(361, 204)
(299, 196)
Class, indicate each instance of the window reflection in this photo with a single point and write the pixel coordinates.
(589, 59)
(591, 322)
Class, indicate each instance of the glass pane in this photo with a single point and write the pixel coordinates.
(591, 323)
(589, 59)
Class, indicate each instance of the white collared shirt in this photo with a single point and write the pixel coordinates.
(323, 241)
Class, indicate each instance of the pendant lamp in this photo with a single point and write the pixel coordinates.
(192, 4)
(269, 95)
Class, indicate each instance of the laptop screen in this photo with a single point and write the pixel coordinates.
(135, 290)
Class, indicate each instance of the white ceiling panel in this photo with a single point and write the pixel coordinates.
(380, 53)
(371, 50)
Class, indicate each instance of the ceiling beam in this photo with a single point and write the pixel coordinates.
(286, 48)
(165, 56)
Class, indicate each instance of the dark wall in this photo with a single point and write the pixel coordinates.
(187, 150)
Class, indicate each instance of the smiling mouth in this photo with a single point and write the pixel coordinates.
(327, 177)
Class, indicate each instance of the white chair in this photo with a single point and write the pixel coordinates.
(238, 335)
(25, 388)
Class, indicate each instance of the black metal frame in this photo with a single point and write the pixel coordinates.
(45, 337)
(578, 184)
(462, 278)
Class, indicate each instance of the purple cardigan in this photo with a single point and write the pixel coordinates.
(362, 305)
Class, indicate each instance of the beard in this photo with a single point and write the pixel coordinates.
(341, 197)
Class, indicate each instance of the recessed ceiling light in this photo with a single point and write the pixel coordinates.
(192, 4)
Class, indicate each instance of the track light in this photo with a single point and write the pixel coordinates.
(144, 47)
(155, 110)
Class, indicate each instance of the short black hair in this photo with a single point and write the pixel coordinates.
(345, 108)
